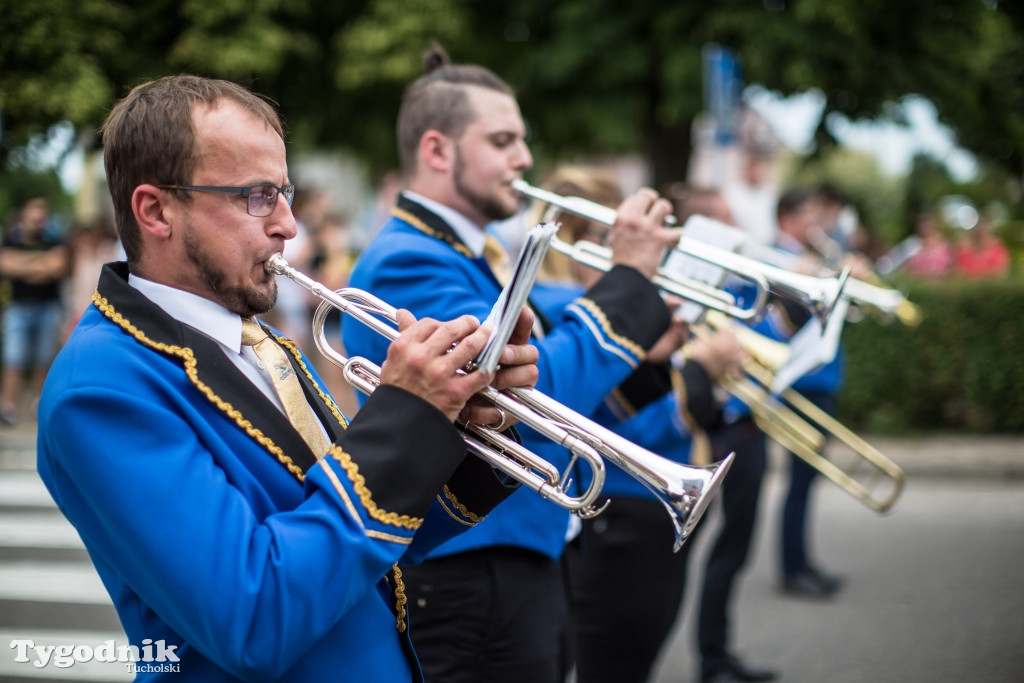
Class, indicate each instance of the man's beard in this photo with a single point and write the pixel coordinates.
(491, 207)
(245, 301)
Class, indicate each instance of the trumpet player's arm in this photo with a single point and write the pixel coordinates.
(602, 339)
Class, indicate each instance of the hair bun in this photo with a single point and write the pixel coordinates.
(435, 58)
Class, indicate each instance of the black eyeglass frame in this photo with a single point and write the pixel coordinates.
(248, 192)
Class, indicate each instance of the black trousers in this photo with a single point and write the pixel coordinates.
(495, 614)
(626, 588)
(739, 495)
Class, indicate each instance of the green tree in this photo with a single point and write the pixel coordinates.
(595, 76)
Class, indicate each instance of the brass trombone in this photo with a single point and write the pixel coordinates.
(685, 491)
(798, 425)
(819, 294)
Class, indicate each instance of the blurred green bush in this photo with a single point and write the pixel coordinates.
(961, 369)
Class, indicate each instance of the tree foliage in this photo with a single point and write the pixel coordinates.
(594, 76)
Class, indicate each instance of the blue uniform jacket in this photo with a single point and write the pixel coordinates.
(212, 525)
(417, 262)
(657, 426)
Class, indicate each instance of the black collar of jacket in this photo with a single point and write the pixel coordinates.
(213, 367)
(445, 233)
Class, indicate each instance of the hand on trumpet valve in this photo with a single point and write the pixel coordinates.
(518, 369)
(427, 358)
(719, 352)
(638, 238)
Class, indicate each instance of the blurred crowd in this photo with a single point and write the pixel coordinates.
(49, 271)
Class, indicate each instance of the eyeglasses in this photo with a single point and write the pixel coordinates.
(262, 198)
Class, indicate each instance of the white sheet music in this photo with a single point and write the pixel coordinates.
(505, 312)
(812, 346)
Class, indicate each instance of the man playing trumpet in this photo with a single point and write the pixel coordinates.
(491, 604)
(233, 513)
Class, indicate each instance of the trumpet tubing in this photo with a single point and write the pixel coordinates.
(600, 258)
(684, 491)
(819, 294)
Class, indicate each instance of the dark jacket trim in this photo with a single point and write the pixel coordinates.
(429, 223)
(700, 402)
(229, 388)
(632, 305)
(647, 384)
(424, 448)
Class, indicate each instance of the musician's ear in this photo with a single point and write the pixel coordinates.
(150, 206)
(437, 151)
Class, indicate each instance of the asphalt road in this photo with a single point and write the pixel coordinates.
(933, 589)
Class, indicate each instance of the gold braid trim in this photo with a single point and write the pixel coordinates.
(606, 326)
(700, 443)
(400, 599)
(460, 507)
(426, 229)
(359, 482)
(188, 357)
(326, 398)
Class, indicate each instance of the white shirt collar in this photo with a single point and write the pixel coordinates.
(468, 231)
(207, 316)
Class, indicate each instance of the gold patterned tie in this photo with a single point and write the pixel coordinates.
(497, 259)
(286, 384)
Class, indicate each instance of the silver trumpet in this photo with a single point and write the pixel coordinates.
(819, 294)
(685, 491)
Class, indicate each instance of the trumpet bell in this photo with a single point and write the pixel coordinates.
(688, 499)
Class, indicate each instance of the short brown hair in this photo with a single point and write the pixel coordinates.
(438, 100)
(149, 138)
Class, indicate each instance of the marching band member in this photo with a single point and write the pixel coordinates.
(626, 585)
(490, 605)
(235, 516)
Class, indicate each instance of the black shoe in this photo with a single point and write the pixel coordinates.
(810, 584)
(831, 582)
(735, 670)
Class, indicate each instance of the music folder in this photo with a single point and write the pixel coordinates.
(505, 312)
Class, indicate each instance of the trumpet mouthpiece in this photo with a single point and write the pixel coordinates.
(276, 264)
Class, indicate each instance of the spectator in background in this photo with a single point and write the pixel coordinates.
(689, 200)
(936, 257)
(981, 253)
(35, 262)
(291, 312)
(332, 263)
(90, 245)
(736, 433)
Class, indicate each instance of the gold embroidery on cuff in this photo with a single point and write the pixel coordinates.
(366, 497)
(463, 510)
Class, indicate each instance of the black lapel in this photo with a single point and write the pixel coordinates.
(213, 368)
(444, 232)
